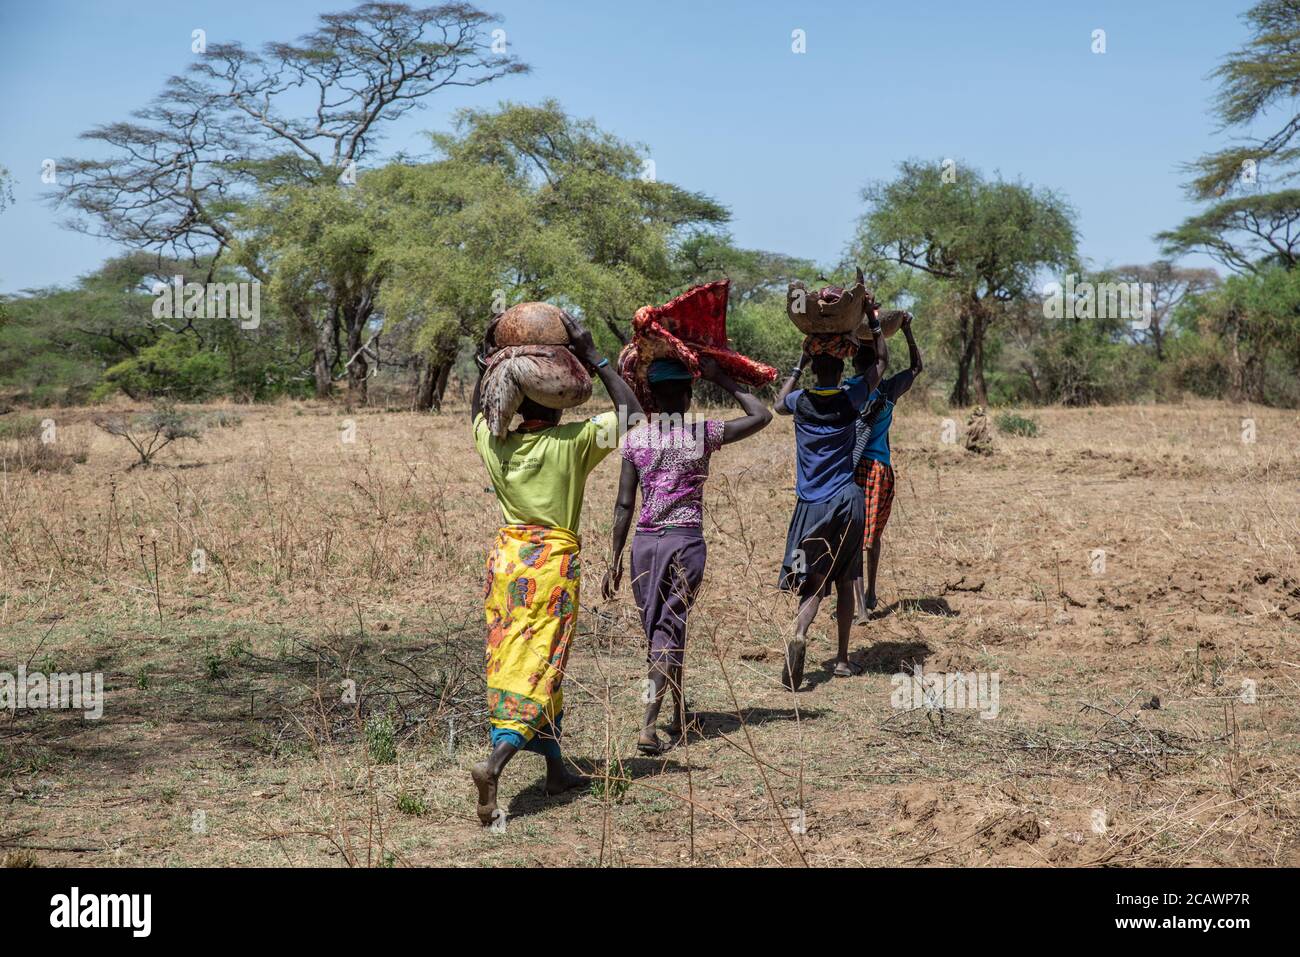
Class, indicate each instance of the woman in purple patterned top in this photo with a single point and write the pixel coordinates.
(668, 457)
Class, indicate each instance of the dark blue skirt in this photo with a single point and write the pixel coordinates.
(824, 543)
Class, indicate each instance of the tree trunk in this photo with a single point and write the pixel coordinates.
(1236, 379)
(426, 385)
(358, 368)
(357, 316)
(612, 325)
(977, 359)
(960, 396)
(1032, 376)
(321, 360)
(440, 387)
(435, 372)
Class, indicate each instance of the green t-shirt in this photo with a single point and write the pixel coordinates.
(539, 476)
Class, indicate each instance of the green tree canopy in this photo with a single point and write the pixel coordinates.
(1261, 77)
(984, 239)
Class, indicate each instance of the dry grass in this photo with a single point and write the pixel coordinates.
(229, 736)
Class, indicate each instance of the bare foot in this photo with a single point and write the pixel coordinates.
(792, 671)
(486, 782)
(569, 781)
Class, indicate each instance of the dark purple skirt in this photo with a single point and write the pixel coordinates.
(667, 568)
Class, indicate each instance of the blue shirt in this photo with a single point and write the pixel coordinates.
(825, 430)
(873, 426)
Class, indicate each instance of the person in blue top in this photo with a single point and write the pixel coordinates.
(874, 472)
(821, 547)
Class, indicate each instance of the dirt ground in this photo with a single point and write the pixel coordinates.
(1147, 698)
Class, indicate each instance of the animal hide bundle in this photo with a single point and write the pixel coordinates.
(686, 328)
(549, 375)
(529, 324)
(829, 310)
(891, 321)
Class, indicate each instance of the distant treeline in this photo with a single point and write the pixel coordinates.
(270, 254)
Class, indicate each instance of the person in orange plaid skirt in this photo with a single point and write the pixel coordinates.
(873, 470)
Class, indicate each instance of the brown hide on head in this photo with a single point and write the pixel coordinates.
(549, 375)
(822, 312)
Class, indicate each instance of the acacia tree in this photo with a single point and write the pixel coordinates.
(1244, 233)
(182, 170)
(1253, 323)
(1170, 286)
(1255, 80)
(526, 203)
(986, 239)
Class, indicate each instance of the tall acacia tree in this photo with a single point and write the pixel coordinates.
(296, 115)
(985, 239)
(1258, 85)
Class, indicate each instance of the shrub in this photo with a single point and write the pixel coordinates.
(1012, 423)
(222, 419)
(150, 434)
(26, 443)
(381, 739)
(411, 804)
(175, 366)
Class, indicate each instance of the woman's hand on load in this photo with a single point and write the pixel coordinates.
(483, 352)
(580, 340)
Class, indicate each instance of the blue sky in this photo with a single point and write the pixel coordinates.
(785, 140)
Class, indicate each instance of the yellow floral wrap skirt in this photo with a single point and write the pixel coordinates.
(531, 601)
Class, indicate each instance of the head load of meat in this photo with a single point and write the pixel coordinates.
(686, 328)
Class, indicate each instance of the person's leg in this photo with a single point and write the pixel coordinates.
(546, 742)
(796, 649)
(844, 600)
(873, 562)
(486, 774)
(647, 568)
(807, 614)
(863, 613)
(682, 719)
(689, 575)
(559, 777)
(884, 505)
(659, 680)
